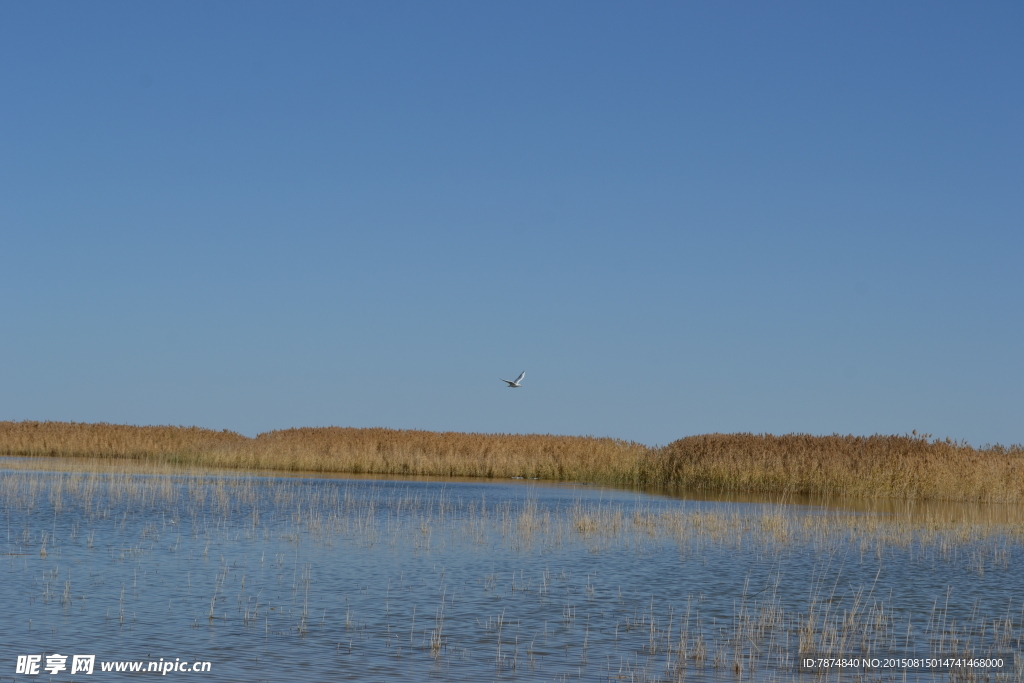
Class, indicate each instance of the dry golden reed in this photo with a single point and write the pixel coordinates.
(899, 467)
(905, 467)
(338, 449)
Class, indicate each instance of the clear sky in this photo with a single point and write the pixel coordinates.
(678, 218)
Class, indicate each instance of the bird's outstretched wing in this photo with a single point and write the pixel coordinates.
(516, 381)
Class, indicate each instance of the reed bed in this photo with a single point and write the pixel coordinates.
(903, 467)
(908, 467)
(337, 449)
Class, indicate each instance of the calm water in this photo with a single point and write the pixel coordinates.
(335, 579)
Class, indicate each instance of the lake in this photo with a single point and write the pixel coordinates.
(274, 577)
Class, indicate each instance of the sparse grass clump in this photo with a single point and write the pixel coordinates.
(897, 467)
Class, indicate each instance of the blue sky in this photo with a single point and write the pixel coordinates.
(677, 218)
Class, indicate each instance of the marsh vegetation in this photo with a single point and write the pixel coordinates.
(413, 580)
(901, 467)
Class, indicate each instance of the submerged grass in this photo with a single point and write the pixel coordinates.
(908, 467)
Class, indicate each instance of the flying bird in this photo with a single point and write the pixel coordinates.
(515, 384)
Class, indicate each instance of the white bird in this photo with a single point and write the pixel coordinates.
(515, 384)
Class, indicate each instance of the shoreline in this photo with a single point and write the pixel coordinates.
(911, 468)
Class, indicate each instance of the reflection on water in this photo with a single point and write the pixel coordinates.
(366, 579)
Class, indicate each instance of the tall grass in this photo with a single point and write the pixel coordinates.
(338, 449)
(906, 467)
(899, 467)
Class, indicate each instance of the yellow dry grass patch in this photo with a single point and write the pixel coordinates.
(894, 467)
(902, 467)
